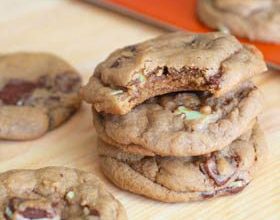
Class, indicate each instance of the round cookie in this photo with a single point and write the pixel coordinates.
(182, 124)
(38, 92)
(254, 19)
(56, 193)
(213, 62)
(180, 179)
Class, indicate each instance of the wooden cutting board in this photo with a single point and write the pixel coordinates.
(84, 35)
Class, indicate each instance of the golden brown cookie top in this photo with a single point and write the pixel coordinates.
(214, 62)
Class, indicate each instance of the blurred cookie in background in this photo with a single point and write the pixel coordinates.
(254, 19)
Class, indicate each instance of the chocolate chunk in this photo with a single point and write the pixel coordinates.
(10, 209)
(29, 212)
(66, 83)
(210, 166)
(165, 70)
(12, 203)
(94, 212)
(206, 195)
(90, 211)
(16, 90)
(215, 80)
(34, 213)
(233, 188)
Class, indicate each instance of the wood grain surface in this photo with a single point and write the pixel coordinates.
(84, 35)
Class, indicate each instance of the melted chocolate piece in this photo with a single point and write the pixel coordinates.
(94, 212)
(210, 166)
(229, 190)
(233, 189)
(29, 212)
(16, 90)
(236, 189)
(206, 195)
(215, 80)
(11, 207)
(34, 213)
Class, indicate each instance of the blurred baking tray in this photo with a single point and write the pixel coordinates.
(176, 15)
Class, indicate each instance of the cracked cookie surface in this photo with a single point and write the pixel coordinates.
(213, 62)
(178, 179)
(56, 193)
(254, 19)
(182, 124)
(38, 92)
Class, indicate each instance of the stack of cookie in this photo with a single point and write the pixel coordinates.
(177, 116)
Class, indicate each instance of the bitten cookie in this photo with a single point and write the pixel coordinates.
(213, 62)
(38, 92)
(178, 179)
(254, 19)
(182, 124)
(56, 193)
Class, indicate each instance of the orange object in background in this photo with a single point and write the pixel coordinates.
(179, 14)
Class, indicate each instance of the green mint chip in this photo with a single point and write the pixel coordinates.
(9, 212)
(188, 114)
(70, 195)
(117, 92)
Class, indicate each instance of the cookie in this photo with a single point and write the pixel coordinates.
(182, 124)
(254, 19)
(213, 62)
(56, 193)
(178, 179)
(38, 92)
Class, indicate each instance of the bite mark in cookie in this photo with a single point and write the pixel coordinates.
(170, 63)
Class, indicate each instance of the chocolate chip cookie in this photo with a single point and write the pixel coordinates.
(254, 19)
(212, 62)
(56, 193)
(178, 179)
(182, 124)
(38, 92)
